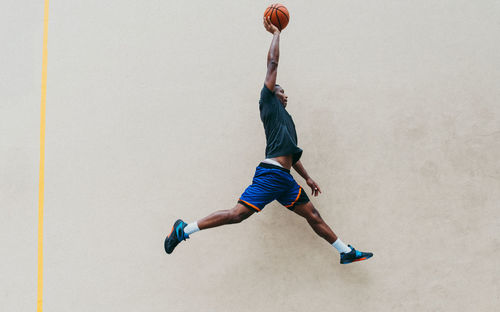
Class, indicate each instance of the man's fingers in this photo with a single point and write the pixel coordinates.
(269, 22)
(316, 189)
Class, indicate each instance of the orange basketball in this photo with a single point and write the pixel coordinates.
(279, 15)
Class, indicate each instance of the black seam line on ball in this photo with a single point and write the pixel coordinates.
(283, 14)
(279, 22)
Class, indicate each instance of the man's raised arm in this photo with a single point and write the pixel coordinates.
(273, 55)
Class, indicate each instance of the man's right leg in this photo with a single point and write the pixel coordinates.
(181, 230)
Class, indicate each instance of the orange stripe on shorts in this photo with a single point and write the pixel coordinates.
(250, 204)
(298, 195)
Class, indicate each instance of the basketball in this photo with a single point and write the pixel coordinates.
(279, 15)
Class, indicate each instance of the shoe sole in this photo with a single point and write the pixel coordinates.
(166, 240)
(356, 260)
(165, 244)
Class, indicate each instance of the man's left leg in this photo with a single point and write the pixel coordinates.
(316, 222)
(347, 253)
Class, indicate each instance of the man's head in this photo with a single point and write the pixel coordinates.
(280, 93)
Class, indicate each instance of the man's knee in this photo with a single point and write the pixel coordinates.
(236, 215)
(314, 216)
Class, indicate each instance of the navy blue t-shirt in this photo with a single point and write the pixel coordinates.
(281, 137)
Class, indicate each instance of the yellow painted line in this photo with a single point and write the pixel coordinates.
(42, 158)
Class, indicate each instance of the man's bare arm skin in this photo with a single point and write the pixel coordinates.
(303, 173)
(273, 55)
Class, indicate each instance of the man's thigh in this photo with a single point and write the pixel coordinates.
(242, 211)
(305, 210)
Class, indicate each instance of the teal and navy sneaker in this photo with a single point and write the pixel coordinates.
(354, 255)
(176, 236)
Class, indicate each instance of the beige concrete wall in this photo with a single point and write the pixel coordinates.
(152, 115)
(20, 73)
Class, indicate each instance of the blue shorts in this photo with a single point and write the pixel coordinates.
(272, 182)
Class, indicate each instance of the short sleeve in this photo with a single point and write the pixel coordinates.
(265, 94)
(266, 106)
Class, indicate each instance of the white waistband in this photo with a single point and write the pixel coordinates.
(272, 162)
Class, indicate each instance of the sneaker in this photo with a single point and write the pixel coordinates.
(354, 255)
(176, 236)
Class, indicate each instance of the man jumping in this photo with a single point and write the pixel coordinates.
(272, 179)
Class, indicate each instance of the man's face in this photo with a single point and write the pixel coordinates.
(280, 93)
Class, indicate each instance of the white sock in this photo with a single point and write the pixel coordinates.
(191, 228)
(340, 246)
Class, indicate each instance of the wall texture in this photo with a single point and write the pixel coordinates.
(152, 114)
